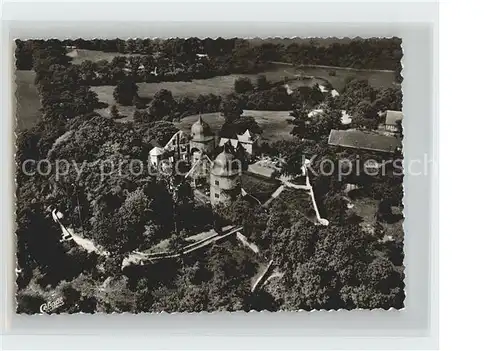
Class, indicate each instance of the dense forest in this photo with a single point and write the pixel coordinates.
(122, 212)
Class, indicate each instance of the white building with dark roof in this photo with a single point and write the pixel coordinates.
(391, 120)
(156, 155)
(247, 140)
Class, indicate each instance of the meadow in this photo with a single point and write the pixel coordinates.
(223, 85)
(273, 123)
(378, 79)
(28, 104)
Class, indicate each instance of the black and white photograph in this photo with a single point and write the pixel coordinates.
(209, 174)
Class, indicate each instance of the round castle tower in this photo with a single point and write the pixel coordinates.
(225, 178)
(202, 138)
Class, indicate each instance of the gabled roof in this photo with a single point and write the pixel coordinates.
(156, 151)
(354, 138)
(246, 137)
(391, 117)
(233, 142)
(179, 136)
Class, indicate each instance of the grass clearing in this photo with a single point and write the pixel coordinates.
(378, 79)
(221, 85)
(273, 123)
(26, 101)
(224, 85)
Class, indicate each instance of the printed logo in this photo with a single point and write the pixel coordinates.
(51, 306)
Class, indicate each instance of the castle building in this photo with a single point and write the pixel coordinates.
(223, 174)
(225, 178)
(178, 146)
(247, 140)
(192, 148)
(201, 148)
(202, 139)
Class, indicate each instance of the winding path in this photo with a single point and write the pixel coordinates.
(69, 234)
(308, 187)
(142, 258)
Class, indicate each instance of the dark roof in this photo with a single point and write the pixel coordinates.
(155, 143)
(359, 139)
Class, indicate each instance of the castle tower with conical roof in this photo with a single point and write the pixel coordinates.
(202, 138)
(225, 177)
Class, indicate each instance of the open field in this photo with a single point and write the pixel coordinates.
(26, 100)
(223, 85)
(378, 79)
(80, 55)
(273, 123)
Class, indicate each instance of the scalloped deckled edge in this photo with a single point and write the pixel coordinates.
(15, 132)
(367, 310)
(405, 177)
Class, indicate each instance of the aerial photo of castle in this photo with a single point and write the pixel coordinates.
(189, 175)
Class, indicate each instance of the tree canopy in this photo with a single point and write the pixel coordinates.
(125, 91)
